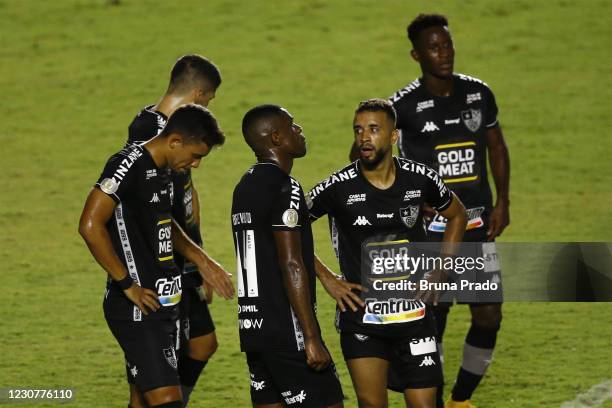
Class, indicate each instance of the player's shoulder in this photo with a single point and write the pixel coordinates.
(412, 167)
(127, 156)
(146, 124)
(471, 82)
(265, 176)
(338, 178)
(407, 93)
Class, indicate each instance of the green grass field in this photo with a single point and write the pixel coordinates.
(73, 74)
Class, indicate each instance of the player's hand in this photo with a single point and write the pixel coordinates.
(342, 292)
(218, 279)
(498, 220)
(428, 212)
(143, 298)
(432, 296)
(317, 356)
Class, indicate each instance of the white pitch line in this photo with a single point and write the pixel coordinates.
(593, 398)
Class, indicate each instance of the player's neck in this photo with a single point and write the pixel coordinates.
(170, 102)
(285, 164)
(383, 175)
(438, 86)
(155, 147)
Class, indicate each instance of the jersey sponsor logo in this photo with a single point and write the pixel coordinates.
(429, 127)
(409, 215)
(334, 178)
(393, 311)
(426, 345)
(123, 168)
(411, 194)
(452, 121)
(405, 91)
(151, 173)
(169, 290)
(473, 97)
(241, 218)
(361, 220)
(294, 399)
(250, 324)
(472, 118)
(427, 361)
(257, 385)
(361, 337)
(474, 215)
(457, 162)
(164, 236)
(155, 198)
(356, 198)
(421, 106)
(422, 169)
(109, 186)
(290, 218)
(170, 355)
(294, 203)
(247, 309)
(390, 215)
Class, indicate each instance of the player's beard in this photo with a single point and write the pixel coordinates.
(371, 163)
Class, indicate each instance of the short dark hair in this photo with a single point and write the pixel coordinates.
(378, 105)
(195, 124)
(422, 22)
(253, 118)
(191, 71)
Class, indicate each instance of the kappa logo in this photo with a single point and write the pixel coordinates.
(155, 198)
(361, 220)
(421, 106)
(301, 397)
(429, 127)
(427, 361)
(170, 357)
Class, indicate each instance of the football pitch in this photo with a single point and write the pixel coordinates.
(74, 73)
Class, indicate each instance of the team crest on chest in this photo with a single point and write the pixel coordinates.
(409, 215)
(472, 118)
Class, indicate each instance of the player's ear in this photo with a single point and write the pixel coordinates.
(415, 55)
(175, 140)
(275, 137)
(394, 136)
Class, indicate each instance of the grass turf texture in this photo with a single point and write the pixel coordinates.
(74, 73)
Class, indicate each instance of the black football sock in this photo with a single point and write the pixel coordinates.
(189, 371)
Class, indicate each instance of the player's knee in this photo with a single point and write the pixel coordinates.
(487, 317)
(366, 400)
(202, 348)
(171, 404)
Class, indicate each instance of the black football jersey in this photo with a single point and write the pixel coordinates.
(448, 134)
(141, 232)
(365, 217)
(266, 200)
(146, 125)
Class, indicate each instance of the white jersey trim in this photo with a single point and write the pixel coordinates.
(297, 330)
(127, 254)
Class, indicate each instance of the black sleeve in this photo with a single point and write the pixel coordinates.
(491, 109)
(285, 214)
(321, 199)
(116, 179)
(437, 194)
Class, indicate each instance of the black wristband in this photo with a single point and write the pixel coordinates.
(126, 282)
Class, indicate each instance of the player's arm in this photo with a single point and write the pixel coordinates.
(98, 210)
(499, 160)
(211, 271)
(295, 279)
(338, 288)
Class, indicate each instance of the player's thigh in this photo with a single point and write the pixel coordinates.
(420, 397)
(198, 326)
(487, 315)
(136, 398)
(163, 395)
(203, 347)
(369, 377)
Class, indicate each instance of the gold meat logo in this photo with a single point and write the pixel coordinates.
(456, 162)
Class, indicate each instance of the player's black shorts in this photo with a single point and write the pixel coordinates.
(413, 356)
(150, 349)
(284, 377)
(196, 320)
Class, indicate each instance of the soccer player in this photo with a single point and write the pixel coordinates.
(128, 228)
(194, 79)
(380, 198)
(288, 363)
(449, 121)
